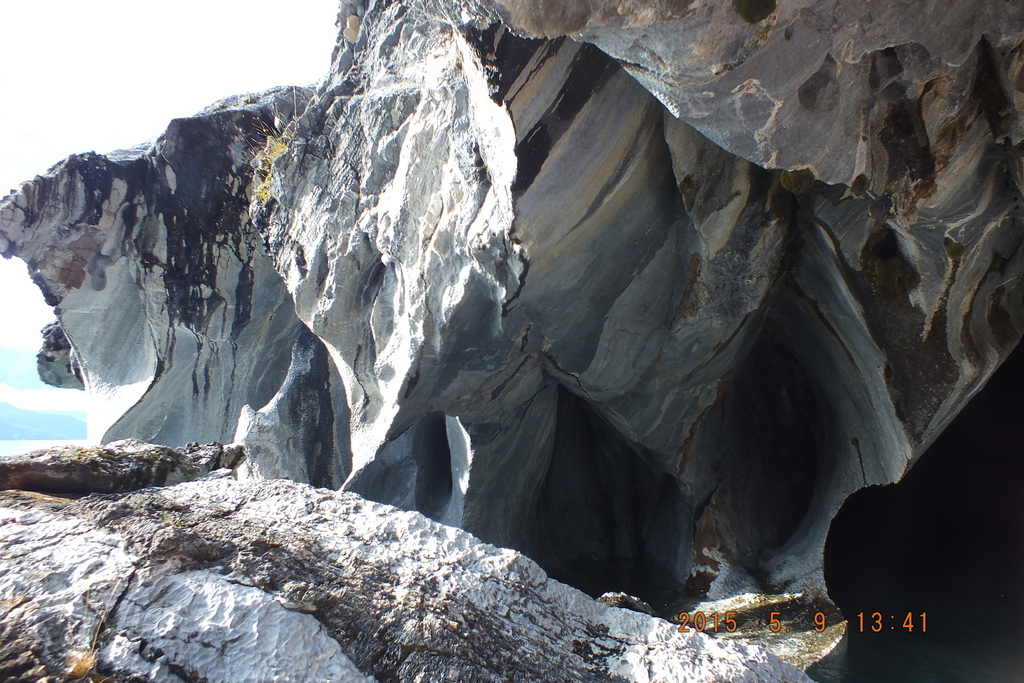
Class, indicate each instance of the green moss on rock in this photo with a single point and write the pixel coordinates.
(264, 162)
(798, 182)
(753, 11)
(954, 250)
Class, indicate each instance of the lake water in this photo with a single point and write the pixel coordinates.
(955, 656)
(947, 541)
(18, 447)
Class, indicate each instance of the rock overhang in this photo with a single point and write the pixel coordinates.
(527, 259)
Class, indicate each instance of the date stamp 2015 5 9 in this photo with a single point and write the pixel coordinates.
(876, 622)
(718, 622)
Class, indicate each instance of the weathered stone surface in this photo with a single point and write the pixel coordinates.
(647, 308)
(54, 362)
(658, 353)
(19, 654)
(830, 87)
(124, 465)
(798, 628)
(224, 581)
(160, 282)
(624, 601)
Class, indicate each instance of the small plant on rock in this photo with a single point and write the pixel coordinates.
(82, 662)
(263, 162)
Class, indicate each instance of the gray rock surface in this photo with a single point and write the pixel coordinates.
(55, 363)
(162, 285)
(124, 465)
(811, 84)
(276, 581)
(661, 354)
(647, 303)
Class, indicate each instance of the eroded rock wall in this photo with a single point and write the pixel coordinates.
(806, 83)
(650, 299)
(179, 321)
(661, 353)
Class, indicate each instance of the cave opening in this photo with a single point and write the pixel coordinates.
(413, 471)
(606, 519)
(946, 542)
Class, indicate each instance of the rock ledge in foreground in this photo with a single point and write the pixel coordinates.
(126, 465)
(221, 580)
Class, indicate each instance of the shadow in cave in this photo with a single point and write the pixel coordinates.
(413, 471)
(948, 542)
(606, 520)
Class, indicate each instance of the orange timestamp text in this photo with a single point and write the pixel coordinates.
(717, 622)
(879, 622)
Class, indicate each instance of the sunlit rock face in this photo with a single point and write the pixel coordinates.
(573, 324)
(179, 321)
(642, 291)
(224, 581)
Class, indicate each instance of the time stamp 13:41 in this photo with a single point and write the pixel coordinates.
(876, 622)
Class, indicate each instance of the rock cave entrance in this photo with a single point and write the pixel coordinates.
(414, 471)
(606, 520)
(947, 541)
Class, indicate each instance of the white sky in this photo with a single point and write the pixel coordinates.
(107, 74)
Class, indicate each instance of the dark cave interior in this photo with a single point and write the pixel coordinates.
(414, 471)
(606, 520)
(947, 541)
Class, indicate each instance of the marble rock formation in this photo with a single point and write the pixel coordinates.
(182, 330)
(54, 362)
(124, 465)
(644, 290)
(808, 84)
(220, 580)
(571, 323)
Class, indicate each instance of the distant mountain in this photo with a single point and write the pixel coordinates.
(18, 424)
(18, 370)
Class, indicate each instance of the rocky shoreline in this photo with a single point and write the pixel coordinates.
(628, 288)
(226, 580)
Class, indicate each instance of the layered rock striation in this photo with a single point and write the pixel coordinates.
(125, 465)
(644, 291)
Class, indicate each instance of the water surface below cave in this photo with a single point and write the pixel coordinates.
(947, 541)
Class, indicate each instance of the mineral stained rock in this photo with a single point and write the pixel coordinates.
(811, 84)
(639, 289)
(181, 326)
(219, 580)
